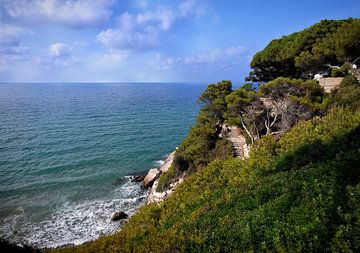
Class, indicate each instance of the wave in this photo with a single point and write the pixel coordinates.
(74, 223)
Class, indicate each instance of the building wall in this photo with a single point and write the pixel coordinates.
(330, 83)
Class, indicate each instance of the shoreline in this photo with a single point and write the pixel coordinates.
(152, 178)
(154, 196)
(150, 195)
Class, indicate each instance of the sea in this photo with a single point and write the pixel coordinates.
(68, 151)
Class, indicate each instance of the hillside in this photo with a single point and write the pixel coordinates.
(298, 191)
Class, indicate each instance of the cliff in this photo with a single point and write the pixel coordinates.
(299, 188)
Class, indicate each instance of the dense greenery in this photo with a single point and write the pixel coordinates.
(275, 108)
(298, 191)
(313, 50)
(296, 194)
(348, 93)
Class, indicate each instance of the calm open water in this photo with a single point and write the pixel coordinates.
(62, 146)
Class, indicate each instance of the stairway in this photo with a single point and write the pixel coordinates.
(237, 140)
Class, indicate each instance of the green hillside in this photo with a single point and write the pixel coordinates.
(299, 191)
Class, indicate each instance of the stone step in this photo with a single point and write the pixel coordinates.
(238, 144)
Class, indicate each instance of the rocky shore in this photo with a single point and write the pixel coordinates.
(151, 181)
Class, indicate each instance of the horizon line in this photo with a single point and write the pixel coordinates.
(114, 82)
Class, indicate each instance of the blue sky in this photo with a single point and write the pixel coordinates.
(143, 40)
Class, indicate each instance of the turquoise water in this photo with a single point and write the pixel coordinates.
(62, 147)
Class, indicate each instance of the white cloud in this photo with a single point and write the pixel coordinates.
(59, 50)
(191, 6)
(223, 56)
(144, 30)
(9, 31)
(11, 50)
(214, 55)
(69, 13)
(59, 55)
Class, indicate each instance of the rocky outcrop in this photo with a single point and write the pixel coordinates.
(151, 176)
(137, 179)
(165, 167)
(118, 216)
(155, 196)
(154, 173)
(119, 181)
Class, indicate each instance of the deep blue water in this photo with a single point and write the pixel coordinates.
(62, 146)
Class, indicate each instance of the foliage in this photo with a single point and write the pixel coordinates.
(202, 142)
(213, 100)
(165, 179)
(275, 108)
(296, 194)
(341, 71)
(348, 93)
(305, 53)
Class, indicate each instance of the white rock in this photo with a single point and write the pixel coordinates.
(151, 176)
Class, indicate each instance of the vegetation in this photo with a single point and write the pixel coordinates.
(311, 51)
(275, 108)
(165, 179)
(348, 93)
(296, 194)
(298, 191)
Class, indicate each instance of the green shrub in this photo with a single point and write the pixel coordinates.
(348, 93)
(165, 179)
(298, 194)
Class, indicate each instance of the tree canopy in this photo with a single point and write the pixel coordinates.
(305, 53)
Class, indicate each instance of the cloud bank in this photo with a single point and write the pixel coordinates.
(68, 13)
(145, 30)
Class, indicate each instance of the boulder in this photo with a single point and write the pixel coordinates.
(118, 216)
(169, 160)
(119, 181)
(137, 179)
(151, 176)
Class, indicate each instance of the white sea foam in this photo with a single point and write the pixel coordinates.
(159, 162)
(76, 223)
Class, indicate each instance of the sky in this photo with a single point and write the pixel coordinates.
(147, 40)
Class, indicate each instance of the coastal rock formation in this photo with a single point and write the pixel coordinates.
(119, 181)
(137, 179)
(151, 176)
(155, 196)
(118, 216)
(165, 167)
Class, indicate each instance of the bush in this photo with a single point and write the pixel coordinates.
(298, 194)
(165, 179)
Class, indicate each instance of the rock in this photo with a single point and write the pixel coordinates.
(118, 216)
(119, 181)
(169, 160)
(137, 179)
(152, 175)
